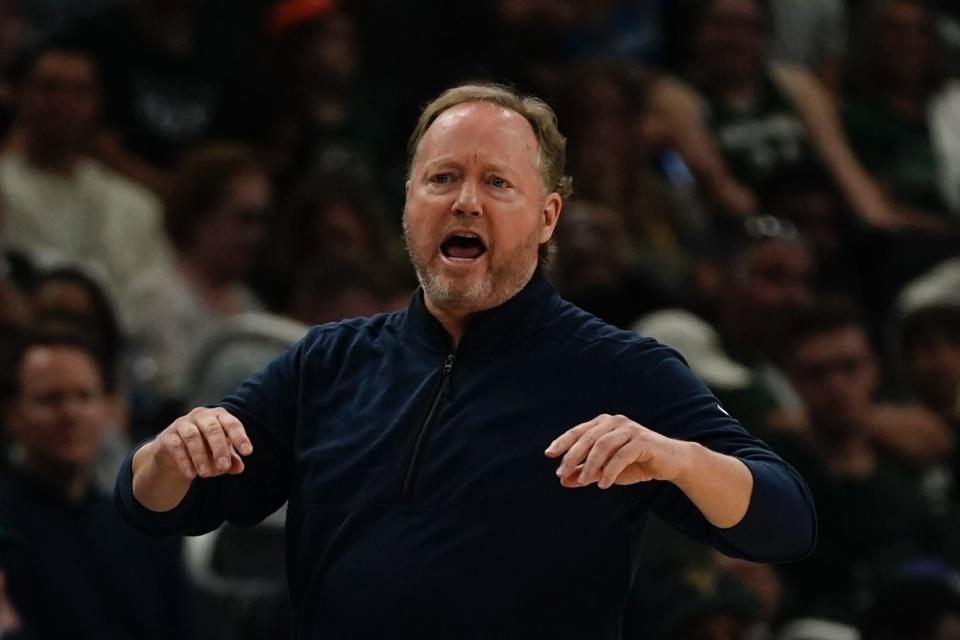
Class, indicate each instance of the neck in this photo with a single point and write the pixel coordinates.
(70, 482)
(847, 454)
(55, 158)
(453, 322)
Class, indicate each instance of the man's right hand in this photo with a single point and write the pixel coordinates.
(205, 443)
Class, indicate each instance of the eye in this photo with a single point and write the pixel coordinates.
(498, 182)
(441, 178)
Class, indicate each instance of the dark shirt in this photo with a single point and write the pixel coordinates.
(163, 102)
(869, 527)
(420, 499)
(74, 570)
(765, 143)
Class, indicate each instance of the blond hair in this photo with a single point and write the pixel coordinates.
(552, 145)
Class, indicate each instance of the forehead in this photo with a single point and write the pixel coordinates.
(846, 340)
(45, 364)
(482, 130)
(64, 63)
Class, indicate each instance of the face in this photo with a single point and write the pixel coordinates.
(476, 210)
(905, 41)
(730, 39)
(933, 365)
(61, 409)
(835, 373)
(772, 282)
(59, 99)
(232, 233)
(339, 232)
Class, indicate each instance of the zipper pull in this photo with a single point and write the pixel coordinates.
(448, 365)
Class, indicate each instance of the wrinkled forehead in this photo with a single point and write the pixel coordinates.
(483, 130)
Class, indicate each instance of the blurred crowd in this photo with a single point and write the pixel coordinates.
(771, 187)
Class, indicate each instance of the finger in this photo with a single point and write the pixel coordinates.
(601, 451)
(235, 432)
(193, 440)
(236, 464)
(569, 437)
(173, 445)
(215, 440)
(627, 455)
(570, 480)
(578, 452)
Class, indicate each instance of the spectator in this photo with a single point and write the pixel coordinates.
(744, 122)
(859, 487)
(902, 112)
(617, 150)
(68, 297)
(330, 219)
(173, 78)
(597, 269)
(324, 117)
(931, 355)
(56, 197)
(216, 217)
(79, 572)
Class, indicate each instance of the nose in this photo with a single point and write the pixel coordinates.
(467, 201)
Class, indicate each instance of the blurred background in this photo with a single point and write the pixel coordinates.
(772, 187)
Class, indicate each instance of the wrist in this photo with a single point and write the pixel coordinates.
(689, 457)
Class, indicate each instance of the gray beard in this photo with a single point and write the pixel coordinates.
(501, 284)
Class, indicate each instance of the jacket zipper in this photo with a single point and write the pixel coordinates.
(410, 472)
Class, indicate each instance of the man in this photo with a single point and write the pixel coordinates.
(76, 571)
(57, 199)
(411, 445)
(859, 485)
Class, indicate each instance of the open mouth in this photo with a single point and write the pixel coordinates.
(463, 246)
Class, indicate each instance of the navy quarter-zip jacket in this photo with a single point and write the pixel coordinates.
(421, 503)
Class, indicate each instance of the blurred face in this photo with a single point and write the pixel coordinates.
(933, 365)
(835, 374)
(332, 53)
(228, 239)
(591, 241)
(476, 212)
(906, 42)
(60, 412)
(730, 39)
(774, 281)
(339, 232)
(59, 98)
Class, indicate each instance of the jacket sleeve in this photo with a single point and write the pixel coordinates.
(267, 406)
(780, 523)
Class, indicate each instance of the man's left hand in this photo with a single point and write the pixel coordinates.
(612, 450)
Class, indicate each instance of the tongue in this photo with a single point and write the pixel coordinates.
(469, 252)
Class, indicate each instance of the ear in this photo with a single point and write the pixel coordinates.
(406, 189)
(551, 215)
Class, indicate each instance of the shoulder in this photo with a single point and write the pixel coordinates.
(343, 333)
(603, 343)
(120, 189)
(670, 95)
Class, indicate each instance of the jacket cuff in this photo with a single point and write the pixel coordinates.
(780, 523)
(138, 516)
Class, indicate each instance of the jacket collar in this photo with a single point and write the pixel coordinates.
(516, 319)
